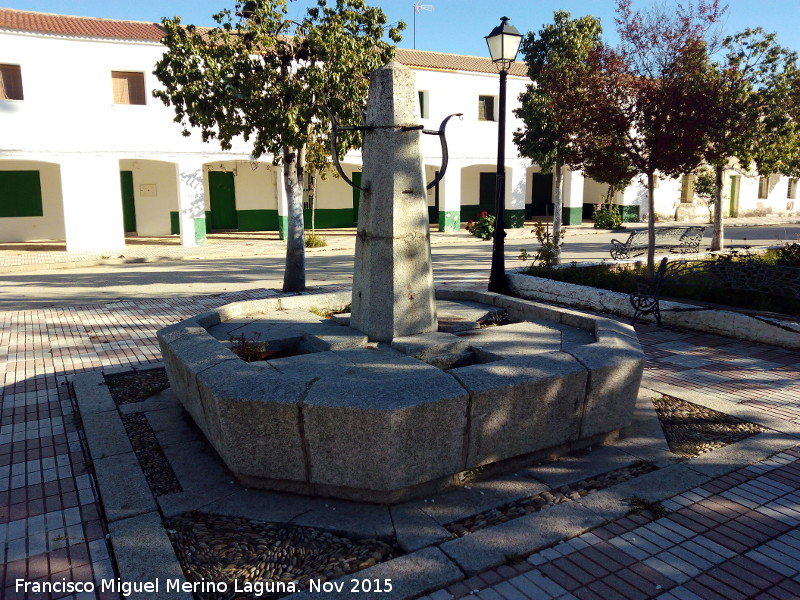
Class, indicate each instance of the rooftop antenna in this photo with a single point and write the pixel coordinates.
(418, 8)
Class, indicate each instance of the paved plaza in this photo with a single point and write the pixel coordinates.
(737, 536)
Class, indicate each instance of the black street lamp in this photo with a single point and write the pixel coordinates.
(503, 42)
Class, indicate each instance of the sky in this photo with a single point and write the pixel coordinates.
(453, 26)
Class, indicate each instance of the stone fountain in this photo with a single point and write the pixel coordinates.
(413, 388)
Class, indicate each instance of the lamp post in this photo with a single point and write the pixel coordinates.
(503, 42)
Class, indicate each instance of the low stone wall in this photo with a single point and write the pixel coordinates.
(766, 330)
(379, 422)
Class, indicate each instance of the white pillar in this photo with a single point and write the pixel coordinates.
(450, 198)
(283, 203)
(92, 197)
(191, 203)
(573, 197)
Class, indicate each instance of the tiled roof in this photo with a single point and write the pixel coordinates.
(80, 26)
(37, 22)
(453, 62)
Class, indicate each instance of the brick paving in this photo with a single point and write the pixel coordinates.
(757, 376)
(735, 537)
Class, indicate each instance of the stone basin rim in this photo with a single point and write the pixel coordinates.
(311, 436)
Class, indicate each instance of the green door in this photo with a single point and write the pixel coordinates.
(541, 196)
(128, 204)
(433, 211)
(356, 178)
(223, 200)
(487, 193)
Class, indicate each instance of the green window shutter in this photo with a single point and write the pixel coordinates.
(20, 194)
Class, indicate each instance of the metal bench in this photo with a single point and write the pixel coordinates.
(781, 281)
(682, 240)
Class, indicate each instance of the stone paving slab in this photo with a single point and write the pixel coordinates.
(737, 522)
(123, 488)
(496, 545)
(144, 553)
(409, 575)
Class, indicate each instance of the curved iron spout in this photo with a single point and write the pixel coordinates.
(334, 147)
(335, 150)
(445, 154)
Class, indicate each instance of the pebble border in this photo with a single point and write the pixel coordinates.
(412, 574)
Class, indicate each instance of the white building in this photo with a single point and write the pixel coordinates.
(87, 155)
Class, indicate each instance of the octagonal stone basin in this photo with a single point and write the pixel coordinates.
(385, 422)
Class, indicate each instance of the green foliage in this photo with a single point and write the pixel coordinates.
(705, 187)
(644, 105)
(757, 105)
(329, 312)
(607, 277)
(562, 45)
(788, 256)
(639, 505)
(314, 240)
(547, 254)
(483, 228)
(607, 216)
(261, 77)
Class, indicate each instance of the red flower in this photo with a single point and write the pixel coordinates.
(484, 214)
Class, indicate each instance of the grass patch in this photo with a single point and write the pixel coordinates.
(328, 313)
(640, 505)
(315, 241)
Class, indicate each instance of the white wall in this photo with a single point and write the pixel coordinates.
(467, 138)
(68, 104)
(333, 192)
(153, 177)
(255, 187)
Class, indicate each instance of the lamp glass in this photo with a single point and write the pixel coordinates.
(503, 42)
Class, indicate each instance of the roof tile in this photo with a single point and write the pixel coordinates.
(80, 26)
(37, 22)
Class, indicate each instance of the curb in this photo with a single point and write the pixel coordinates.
(144, 552)
(141, 547)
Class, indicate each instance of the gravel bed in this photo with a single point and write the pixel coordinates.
(691, 430)
(220, 548)
(136, 386)
(155, 466)
(544, 500)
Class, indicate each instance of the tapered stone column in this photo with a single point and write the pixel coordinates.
(393, 293)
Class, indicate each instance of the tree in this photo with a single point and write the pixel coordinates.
(263, 77)
(648, 101)
(705, 186)
(756, 112)
(563, 45)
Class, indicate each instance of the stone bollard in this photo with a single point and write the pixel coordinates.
(393, 294)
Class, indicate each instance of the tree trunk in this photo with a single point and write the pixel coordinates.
(558, 209)
(651, 225)
(718, 237)
(294, 277)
